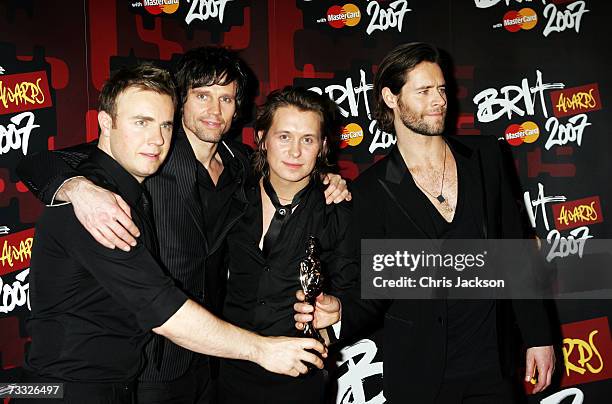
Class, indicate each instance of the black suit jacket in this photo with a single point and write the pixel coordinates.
(415, 331)
(185, 245)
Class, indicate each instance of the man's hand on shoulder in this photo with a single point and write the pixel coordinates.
(105, 215)
(336, 190)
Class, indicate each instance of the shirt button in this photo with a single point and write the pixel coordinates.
(267, 268)
(238, 180)
(262, 302)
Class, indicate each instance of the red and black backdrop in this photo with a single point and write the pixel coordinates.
(532, 73)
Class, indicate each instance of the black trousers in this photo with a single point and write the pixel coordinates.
(193, 387)
(249, 384)
(482, 388)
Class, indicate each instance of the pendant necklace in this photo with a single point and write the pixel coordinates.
(440, 198)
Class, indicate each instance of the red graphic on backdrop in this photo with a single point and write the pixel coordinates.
(587, 351)
(102, 39)
(16, 251)
(581, 212)
(11, 343)
(24, 92)
(575, 100)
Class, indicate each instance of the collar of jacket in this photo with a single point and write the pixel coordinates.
(467, 157)
(397, 169)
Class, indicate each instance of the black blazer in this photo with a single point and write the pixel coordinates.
(414, 331)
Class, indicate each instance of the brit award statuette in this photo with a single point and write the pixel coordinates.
(311, 278)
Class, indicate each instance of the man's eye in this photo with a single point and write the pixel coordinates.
(283, 137)
(227, 99)
(201, 97)
(166, 126)
(140, 122)
(308, 140)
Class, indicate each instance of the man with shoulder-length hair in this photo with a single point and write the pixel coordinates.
(432, 186)
(285, 209)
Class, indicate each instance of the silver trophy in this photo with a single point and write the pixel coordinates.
(311, 278)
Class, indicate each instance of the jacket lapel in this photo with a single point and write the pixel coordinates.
(400, 189)
(473, 182)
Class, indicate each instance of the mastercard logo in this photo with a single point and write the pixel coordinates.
(525, 19)
(347, 15)
(156, 7)
(351, 135)
(527, 132)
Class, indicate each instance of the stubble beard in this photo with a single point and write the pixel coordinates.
(205, 135)
(418, 124)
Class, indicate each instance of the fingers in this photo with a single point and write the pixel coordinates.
(545, 371)
(300, 368)
(303, 318)
(299, 326)
(125, 208)
(529, 368)
(549, 375)
(336, 192)
(106, 216)
(312, 359)
(99, 237)
(328, 303)
(309, 343)
(303, 308)
(300, 295)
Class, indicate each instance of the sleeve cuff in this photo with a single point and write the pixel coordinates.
(162, 308)
(53, 203)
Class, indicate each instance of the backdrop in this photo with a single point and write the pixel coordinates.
(530, 73)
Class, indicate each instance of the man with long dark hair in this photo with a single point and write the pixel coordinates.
(438, 187)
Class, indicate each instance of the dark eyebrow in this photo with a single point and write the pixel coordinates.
(431, 86)
(143, 118)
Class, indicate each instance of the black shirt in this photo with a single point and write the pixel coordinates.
(215, 197)
(261, 290)
(92, 307)
(471, 336)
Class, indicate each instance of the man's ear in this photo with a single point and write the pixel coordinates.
(389, 98)
(106, 123)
